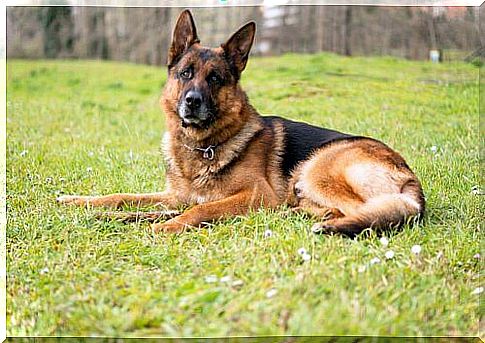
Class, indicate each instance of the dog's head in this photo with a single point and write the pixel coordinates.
(202, 85)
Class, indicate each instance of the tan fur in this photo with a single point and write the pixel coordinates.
(349, 184)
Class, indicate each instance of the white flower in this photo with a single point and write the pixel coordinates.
(384, 241)
(44, 271)
(317, 228)
(477, 290)
(23, 153)
(477, 256)
(434, 148)
(225, 279)
(375, 260)
(237, 283)
(268, 233)
(306, 257)
(89, 169)
(439, 255)
(211, 279)
(389, 254)
(361, 269)
(91, 153)
(48, 179)
(271, 293)
(301, 251)
(416, 249)
(476, 190)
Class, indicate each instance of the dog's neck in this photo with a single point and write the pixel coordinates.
(179, 156)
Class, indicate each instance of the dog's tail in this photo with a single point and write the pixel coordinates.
(152, 216)
(380, 213)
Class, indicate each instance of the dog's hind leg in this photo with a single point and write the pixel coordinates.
(366, 181)
(322, 195)
(165, 199)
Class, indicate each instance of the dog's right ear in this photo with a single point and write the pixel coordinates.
(184, 35)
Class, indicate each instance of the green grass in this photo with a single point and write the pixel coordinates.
(88, 127)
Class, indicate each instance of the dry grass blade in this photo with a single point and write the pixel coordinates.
(137, 216)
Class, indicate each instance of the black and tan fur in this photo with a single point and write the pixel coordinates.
(350, 182)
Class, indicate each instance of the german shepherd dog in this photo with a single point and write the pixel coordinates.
(224, 159)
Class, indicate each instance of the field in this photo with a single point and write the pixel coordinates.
(91, 127)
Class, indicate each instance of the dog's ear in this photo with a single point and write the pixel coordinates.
(238, 46)
(184, 35)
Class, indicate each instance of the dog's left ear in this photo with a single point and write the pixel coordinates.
(238, 46)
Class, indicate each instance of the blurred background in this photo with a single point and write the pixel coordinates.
(142, 35)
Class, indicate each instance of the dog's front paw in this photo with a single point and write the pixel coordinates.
(168, 227)
(78, 200)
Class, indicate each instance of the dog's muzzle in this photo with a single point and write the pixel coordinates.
(193, 110)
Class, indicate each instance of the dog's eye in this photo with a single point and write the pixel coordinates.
(186, 74)
(214, 78)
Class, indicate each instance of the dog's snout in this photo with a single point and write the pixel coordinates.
(194, 107)
(193, 99)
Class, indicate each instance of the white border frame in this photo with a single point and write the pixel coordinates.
(138, 3)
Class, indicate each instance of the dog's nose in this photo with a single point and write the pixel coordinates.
(193, 99)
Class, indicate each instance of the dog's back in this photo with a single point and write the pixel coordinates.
(301, 140)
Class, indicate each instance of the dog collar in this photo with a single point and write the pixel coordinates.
(207, 153)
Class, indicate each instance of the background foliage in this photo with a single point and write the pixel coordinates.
(142, 35)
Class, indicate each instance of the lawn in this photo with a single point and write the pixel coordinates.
(91, 127)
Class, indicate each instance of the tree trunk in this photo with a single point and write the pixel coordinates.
(348, 31)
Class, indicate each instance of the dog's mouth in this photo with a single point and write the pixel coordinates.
(200, 119)
(192, 121)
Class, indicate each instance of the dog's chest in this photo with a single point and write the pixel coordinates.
(202, 176)
(192, 170)
(197, 183)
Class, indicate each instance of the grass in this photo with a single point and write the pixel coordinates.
(90, 127)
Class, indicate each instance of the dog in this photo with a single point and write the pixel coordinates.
(224, 159)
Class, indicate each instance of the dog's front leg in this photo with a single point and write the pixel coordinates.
(239, 203)
(166, 199)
